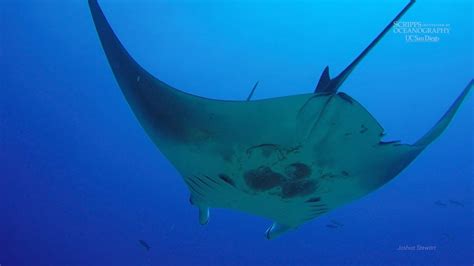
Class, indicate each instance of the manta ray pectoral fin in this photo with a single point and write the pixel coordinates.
(328, 85)
(276, 230)
(443, 123)
(124, 67)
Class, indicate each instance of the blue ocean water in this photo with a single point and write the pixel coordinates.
(81, 183)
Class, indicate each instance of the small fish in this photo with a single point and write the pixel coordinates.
(337, 223)
(332, 226)
(446, 236)
(144, 244)
(440, 203)
(457, 203)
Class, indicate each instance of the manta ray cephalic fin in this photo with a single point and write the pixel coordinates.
(328, 85)
(253, 90)
(324, 80)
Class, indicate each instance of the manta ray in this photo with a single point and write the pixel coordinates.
(289, 159)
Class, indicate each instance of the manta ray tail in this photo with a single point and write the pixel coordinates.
(328, 85)
(443, 123)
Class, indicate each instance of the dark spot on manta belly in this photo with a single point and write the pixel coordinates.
(298, 188)
(297, 171)
(262, 178)
(227, 179)
(363, 129)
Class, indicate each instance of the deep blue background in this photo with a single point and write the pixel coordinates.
(80, 182)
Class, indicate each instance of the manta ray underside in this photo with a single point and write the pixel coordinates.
(289, 159)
